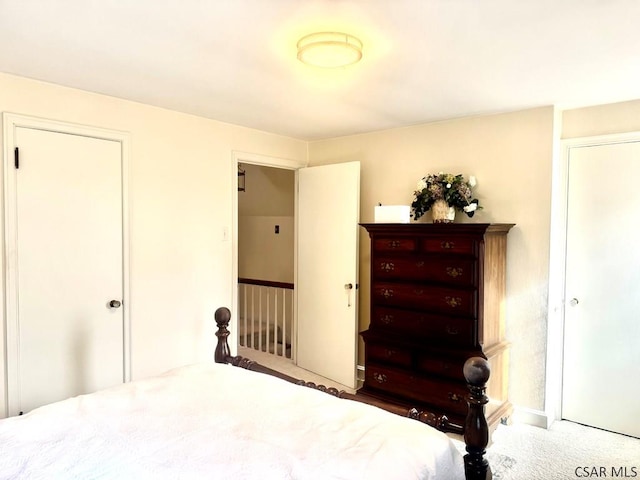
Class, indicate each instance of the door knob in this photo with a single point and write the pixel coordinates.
(348, 287)
(115, 304)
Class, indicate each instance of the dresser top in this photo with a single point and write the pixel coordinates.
(438, 228)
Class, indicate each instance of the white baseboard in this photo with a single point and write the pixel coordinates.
(529, 416)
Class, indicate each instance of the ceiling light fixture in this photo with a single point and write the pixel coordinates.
(329, 49)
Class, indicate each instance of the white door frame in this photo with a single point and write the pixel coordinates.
(238, 157)
(557, 265)
(11, 122)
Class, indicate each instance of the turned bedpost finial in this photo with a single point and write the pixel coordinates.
(476, 432)
(222, 316)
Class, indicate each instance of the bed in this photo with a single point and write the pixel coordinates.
(214, 420)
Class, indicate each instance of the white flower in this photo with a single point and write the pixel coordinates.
(422, 184)
(472, 181)
(448, 185)
(470, 208)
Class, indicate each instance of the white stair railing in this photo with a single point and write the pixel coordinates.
(265, 316)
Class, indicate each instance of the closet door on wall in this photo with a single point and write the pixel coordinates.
(602, 278)
(65, 240)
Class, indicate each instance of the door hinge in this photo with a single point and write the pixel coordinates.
(16, 157)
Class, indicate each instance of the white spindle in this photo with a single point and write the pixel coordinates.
(260, 318)
(253, 317)
(284, 322)
(277, 334)
(240, 314)
(244, 309)
(269, 331)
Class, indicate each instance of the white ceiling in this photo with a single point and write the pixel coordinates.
(424, 60)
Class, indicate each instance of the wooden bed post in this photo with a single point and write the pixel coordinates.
(222, 353)
(476, 431)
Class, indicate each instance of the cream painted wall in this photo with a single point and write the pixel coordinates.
(180, 197)
(270, 192)
(262, 253)
(511, 156)
(601, 120)
(181, 190)
(268, 201)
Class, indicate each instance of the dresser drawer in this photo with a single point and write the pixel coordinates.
(453, 270)
(448, 395)
(387, 354)
(391, 244)
(449, 330)
(451, 301)
(453, 244)
(441, 366)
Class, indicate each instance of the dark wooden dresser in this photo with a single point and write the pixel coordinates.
(437, 298)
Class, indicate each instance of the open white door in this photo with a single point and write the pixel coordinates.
(327, 270)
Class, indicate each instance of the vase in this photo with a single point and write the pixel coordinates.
(442, 212)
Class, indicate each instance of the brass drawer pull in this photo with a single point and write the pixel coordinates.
(394, 243)
(447, 245)
(454, 272)
(379, 377)
(453, 302)
(387, 266)
(454, 397)
(451, 330)
(387, 293)
(420, 264)
(418, 291)
(390, 353)
(387, 319)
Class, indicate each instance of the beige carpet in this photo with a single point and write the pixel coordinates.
(565, 451)
(286, 366)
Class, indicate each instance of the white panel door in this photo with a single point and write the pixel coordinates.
(67, 266)
(601, 354)
(327, 270)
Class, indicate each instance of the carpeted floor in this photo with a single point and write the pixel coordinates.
(565, 451)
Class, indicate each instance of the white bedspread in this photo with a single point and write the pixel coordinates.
(211, 421)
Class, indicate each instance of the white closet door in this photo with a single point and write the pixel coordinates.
(68, 267)
(602, 328)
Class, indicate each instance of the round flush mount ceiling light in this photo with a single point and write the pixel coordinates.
(329, 49)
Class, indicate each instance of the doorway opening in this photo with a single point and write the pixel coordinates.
(271, 174)
(325, 259)
(266, 231)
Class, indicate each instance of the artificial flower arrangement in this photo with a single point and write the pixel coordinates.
(454, 190)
